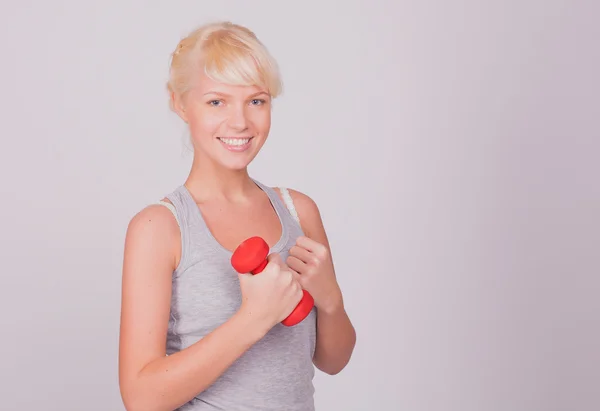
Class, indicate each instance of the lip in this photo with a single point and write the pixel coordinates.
(236, 149)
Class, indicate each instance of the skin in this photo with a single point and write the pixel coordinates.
(234, 209)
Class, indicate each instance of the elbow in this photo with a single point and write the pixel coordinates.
(131, 402)
(130, 405)
(135, 400)
(332, 369)
(136, 403)
(334, 364)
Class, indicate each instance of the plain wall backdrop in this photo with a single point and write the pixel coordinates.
(453, 149)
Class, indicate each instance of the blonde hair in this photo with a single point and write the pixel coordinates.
(227, 53)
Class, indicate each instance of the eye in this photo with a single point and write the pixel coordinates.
(215, 103)
(258, 102)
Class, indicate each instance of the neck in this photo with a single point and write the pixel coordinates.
(208, 181)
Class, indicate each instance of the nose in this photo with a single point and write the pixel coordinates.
(237, 118)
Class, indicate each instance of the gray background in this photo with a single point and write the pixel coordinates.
(451, 146)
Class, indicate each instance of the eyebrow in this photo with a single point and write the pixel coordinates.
(227, 95)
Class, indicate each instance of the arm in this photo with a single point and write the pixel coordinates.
(150, 380)
(311, 257)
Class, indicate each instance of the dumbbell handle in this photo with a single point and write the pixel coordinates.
(260, 268)
(302, 309)
(251, 256)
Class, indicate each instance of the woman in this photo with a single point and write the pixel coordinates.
(196, 335)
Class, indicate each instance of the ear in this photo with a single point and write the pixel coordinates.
(178, 106)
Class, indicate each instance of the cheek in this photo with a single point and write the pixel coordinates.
(262, 121)
(204, 124)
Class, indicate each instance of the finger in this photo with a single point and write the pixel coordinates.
(275, 258)
(308, 243)
(244, 277)
(316, 248)
(302, 254)
(296, 264)
(297, 279)
(295, 275)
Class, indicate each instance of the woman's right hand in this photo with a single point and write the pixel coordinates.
(270, 296)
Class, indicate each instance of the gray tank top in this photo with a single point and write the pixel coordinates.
(277, 372)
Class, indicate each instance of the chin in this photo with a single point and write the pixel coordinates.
(231, 159)
(235, 164)
(238, 160)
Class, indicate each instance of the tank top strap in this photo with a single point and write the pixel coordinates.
(284, 208)
(171, 208)
(274, 198)
(289, 202)
(186, 219)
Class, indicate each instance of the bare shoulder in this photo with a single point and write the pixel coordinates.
(154, 219)
(153, 230)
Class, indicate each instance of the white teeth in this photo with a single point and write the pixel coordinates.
(235, 141)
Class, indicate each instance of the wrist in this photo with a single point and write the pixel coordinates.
(333, 306)
(254, 326)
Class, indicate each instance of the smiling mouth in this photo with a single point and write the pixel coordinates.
(235, 141)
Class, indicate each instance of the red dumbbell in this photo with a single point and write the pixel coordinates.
(251, 257)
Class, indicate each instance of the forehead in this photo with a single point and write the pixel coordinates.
(205, 84)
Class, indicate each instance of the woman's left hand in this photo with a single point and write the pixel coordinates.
(313, 262)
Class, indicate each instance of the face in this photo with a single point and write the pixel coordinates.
(228, 124)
